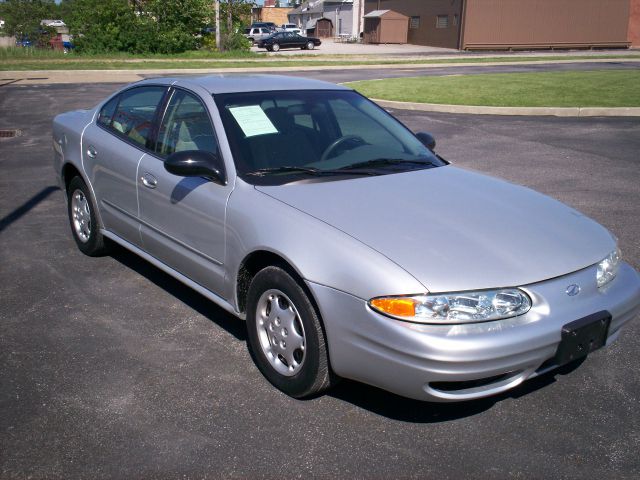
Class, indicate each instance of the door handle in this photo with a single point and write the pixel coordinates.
(149, 180)
(91, 151)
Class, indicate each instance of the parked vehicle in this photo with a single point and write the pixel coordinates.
(256, 34)
(23, 42)
(53, 23)
(290, 27)
(349, 247)
(268, 25)
(277, 41)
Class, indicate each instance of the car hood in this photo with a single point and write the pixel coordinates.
(454, 229)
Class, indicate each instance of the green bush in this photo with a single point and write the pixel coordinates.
(161, 26)
(235, 41)
(209, 42)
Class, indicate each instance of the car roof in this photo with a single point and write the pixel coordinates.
(236, 83)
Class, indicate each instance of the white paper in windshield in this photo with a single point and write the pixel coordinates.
(252, 120)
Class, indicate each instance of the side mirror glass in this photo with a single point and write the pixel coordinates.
(427, 140)
(196, 163)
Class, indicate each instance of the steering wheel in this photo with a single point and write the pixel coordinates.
(356, 141)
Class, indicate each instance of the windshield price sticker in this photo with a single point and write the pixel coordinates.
(252, 120)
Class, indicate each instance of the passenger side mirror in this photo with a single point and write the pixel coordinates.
(196, 163)
(427, 140)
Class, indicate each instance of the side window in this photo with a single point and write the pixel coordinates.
(133, 118)
(185, 126)
(106, 114)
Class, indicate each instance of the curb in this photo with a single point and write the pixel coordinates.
(525, 111)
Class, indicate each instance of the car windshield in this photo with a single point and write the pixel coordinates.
(282, 136)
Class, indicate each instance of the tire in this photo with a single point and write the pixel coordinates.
(279, 311)
(275, 47)
(85, 227)
(310, 45)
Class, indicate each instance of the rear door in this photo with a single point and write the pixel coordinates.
(183, 218)
(112, 147)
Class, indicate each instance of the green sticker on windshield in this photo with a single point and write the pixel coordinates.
(252, 120)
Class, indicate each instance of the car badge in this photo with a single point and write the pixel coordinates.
(572, 290)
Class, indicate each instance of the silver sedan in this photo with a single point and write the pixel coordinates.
(347, 244)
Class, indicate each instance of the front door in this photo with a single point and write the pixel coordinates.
(183, 218)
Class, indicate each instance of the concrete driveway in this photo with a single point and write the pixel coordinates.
(111, 369)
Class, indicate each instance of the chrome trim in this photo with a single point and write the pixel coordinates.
(221, 302)
(166, 235)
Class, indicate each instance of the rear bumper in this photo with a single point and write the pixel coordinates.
(464, 362)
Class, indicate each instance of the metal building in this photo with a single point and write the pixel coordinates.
(514, 24)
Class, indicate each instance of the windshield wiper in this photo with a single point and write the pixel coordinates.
(384, 162)
(308, 170)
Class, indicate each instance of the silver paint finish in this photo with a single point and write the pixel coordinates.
(318, 251)
(406, 357)
(455, 229)
(182, 223)
(443, 229)
(112, 172)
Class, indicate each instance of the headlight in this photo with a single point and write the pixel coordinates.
(608, 268)
(452, 308)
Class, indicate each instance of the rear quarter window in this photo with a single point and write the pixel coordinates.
(107, 111)
(134, 115)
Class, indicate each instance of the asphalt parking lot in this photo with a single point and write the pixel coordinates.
(111, 369)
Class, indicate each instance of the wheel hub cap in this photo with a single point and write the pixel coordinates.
(81, 216)
(280, 332)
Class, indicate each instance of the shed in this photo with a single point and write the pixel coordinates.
(385, 26)
(324, 28)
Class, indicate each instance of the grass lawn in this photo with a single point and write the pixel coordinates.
(602, 88)
(25, 59)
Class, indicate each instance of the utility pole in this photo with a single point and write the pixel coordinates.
(218, 46)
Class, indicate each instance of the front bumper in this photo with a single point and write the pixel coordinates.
(464, 362)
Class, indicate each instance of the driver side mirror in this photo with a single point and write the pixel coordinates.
(196, 163)
(427, 140)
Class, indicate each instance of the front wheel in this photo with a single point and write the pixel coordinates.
(84, 222)
(310, 45)
(284, 335)
(275, 47)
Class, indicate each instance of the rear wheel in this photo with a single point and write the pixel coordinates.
(275, 47)
(82, 217)
(285, 335)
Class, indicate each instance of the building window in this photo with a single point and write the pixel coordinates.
(442, 21)
(414, 22)
(455, 20)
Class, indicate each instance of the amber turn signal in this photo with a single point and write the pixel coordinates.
(399, 307)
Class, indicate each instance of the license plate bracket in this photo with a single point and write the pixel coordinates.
(583, 336)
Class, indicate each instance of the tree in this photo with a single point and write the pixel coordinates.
(23, 17)
(142, 26)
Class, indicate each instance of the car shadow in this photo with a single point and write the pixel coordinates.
(403, 409)
(181, 292)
